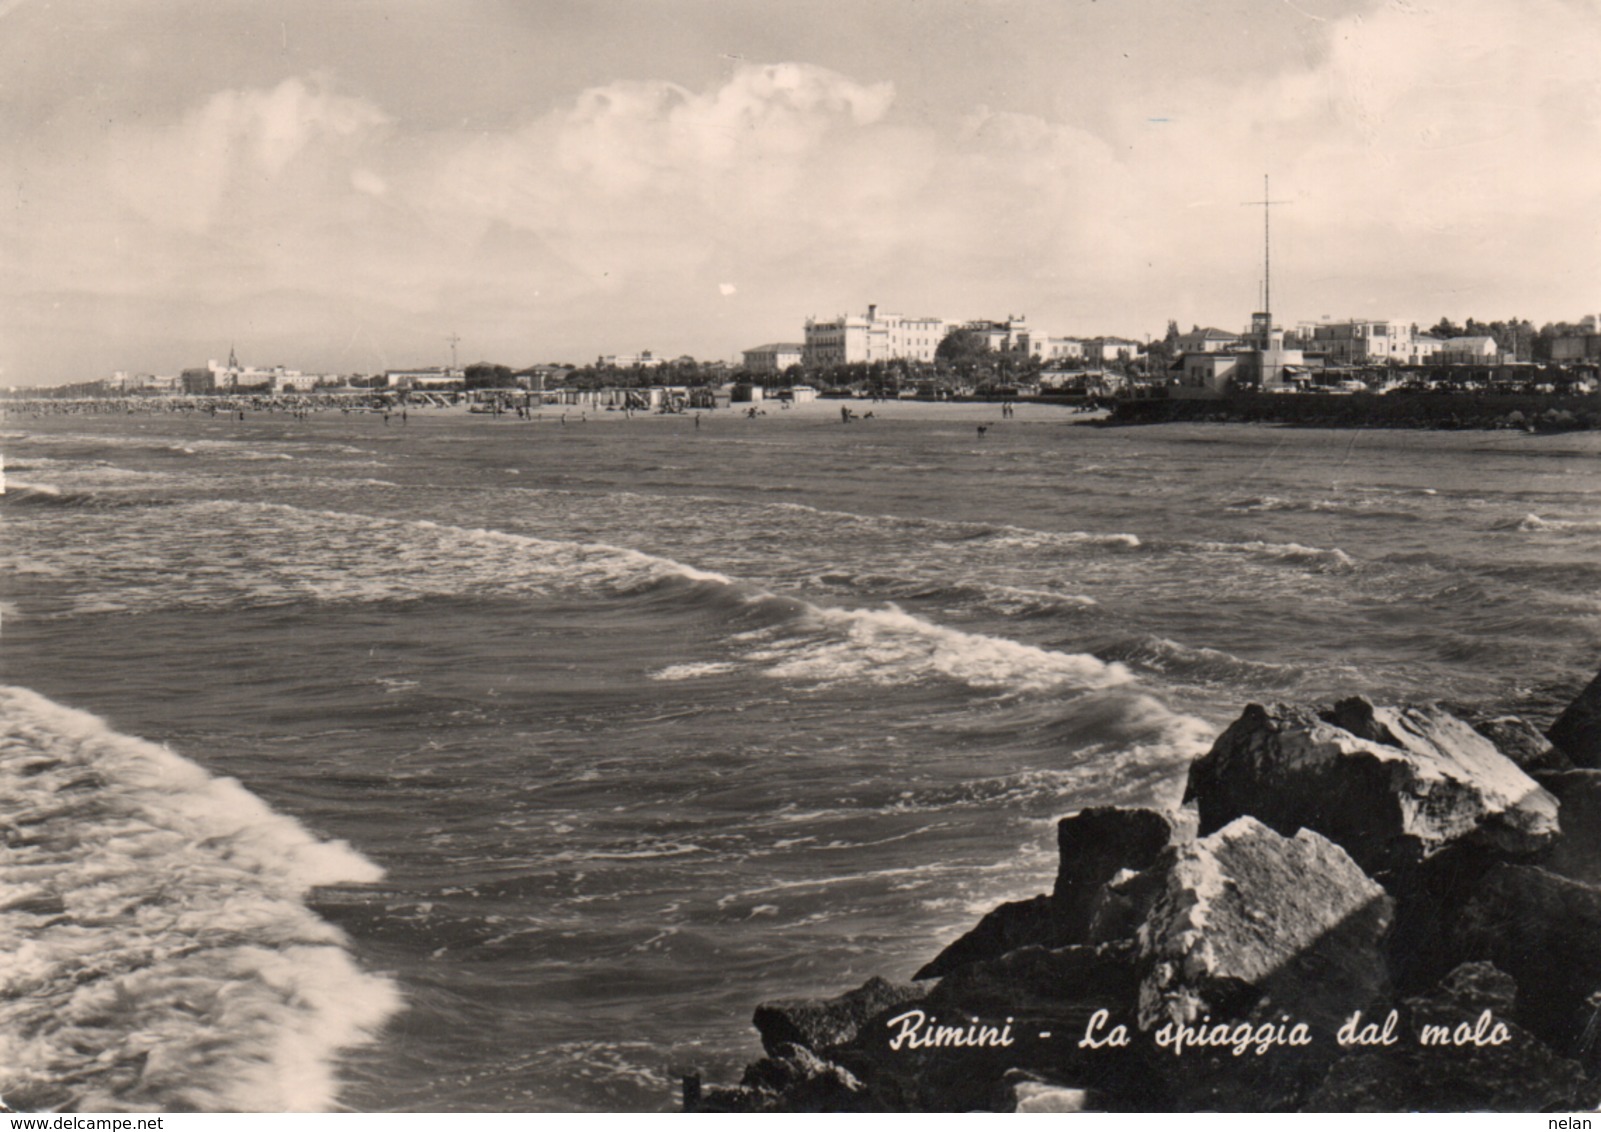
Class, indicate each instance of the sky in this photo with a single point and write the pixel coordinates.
(343, 186)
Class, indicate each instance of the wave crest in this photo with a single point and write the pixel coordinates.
(161, 953)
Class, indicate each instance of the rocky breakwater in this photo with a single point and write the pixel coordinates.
(1356, 908)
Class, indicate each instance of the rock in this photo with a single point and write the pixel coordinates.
(1577, 731)
(1545, 931)
(1022, 923)
(1520, 1074)
(1246, 912)
(1068, 983)
(1027, 1093)
(1390, 785)
(1121, 905)
(1038, 1000)
(1515, 737)
(803, 1082)
(793, 1079)
(1421, 948)
(1578, 854)
(821, 1024)
(1095, 845)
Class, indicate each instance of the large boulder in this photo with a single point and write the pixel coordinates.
(819, 1024)
(1095, 846)
(1247, 912)
(1514, 736)
(1545, 931)
(1390, 785)
(1516, 1073)
(1577, 731)
(1007, 927)
(1578, 854)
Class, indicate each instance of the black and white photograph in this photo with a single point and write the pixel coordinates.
(891, 556)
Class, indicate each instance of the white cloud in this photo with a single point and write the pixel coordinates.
(238, 144)
(1440, 160)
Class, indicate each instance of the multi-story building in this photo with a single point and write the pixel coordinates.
(1356, 342)
(646, 360)
(873, 337)
(1102, 350)
(433, 377)
(774, 357)
(1016, 336)
(1057, 349)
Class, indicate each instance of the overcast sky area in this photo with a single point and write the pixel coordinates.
(339, 185)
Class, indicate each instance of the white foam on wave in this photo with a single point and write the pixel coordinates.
(14, 484)
(262, 554)
(960, 530)
(1532, 522)
(266, 554)
(1287, 551)
(1023, 538)
(890, 646)
(694, 671)
(159, 953)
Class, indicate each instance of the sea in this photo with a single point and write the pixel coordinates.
(475, 763)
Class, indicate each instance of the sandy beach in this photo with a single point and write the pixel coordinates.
(978, 412)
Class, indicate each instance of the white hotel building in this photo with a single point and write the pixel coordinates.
(872, 338)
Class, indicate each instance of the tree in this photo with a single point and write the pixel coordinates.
(487, 375)
(963, 346)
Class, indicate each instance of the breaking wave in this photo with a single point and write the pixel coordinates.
(160, 955)
(1532, 522)
(1202, 665)
(269, 554)
(1327, 557)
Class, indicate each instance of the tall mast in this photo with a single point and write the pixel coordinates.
(1267, 245)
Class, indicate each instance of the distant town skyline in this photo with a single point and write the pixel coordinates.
(342, 188)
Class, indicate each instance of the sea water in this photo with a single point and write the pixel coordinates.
(487, 764)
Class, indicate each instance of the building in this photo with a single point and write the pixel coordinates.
(1210, 371)
(1016, 336)
(1103, 350)
(1269, 364)
(774, 357)
(433, 377)
(647, 360)
(1356, 342)
(1011, 336)
(292, 381)
(1576, 348)
(1059, 349)
(1259, 360)
(1475, 349)
(1208, 340)
(873, 337)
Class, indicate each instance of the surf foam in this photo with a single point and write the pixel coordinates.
(159, 954)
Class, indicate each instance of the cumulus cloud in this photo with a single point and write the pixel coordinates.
(1425, 149)
(239, 143)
